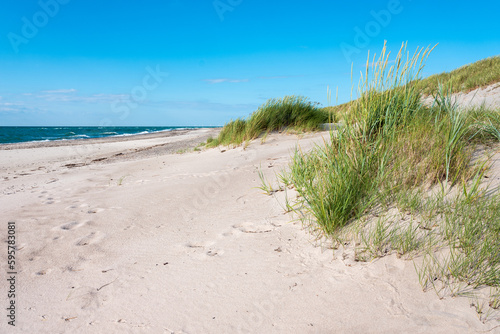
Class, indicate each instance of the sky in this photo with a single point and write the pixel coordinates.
(205, 62)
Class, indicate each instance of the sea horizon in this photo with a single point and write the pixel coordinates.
(26, 133)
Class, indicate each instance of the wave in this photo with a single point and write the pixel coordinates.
(132, 134)
(34, 134)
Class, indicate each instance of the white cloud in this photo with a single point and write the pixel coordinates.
(60, 91)
(21, 109)
(96, 98)
(221, 80)
(8, 109)
(12, 107)
(279, 77)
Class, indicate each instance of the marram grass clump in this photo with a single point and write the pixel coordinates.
(390, 143)
(340, 180)
(290, 112)
(370, 184)
(464, 79)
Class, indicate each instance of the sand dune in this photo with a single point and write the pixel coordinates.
(186, 243)
(488, 96)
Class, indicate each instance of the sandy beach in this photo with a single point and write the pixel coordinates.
(125, 236)
(240, 167)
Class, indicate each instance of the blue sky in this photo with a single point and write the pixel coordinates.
(187, 62)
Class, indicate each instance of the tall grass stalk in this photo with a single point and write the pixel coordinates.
(466, 78)
(390, 153)
(343, 178)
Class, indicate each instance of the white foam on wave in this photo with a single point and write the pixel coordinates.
(150, 131)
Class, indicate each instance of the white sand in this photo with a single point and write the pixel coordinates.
(187, 244)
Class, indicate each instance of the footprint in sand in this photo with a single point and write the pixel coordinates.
(249, 227)
(46, 198)
(131, 226)
(204, 245)
(52, 200)
(43, 272)
(70, 226)
(34, 256)
(96, 210)
(231, 233)
(215, 252)
(199, 244)
(86, 297)
(92, 238)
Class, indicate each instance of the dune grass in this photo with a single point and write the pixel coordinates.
(290, 112)
(340, 179)
(464, 79)
(370, 184)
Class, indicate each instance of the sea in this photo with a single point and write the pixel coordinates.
(19, 134)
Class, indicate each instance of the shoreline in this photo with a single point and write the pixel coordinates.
(82, 152)
(98, 140)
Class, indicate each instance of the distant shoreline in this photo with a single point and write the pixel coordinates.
(83, 152)
(99, 140)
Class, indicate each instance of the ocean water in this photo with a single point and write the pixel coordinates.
(19, 134)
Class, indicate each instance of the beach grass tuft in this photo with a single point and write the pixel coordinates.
(464, 79)
(402, 177)
(289, 112)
